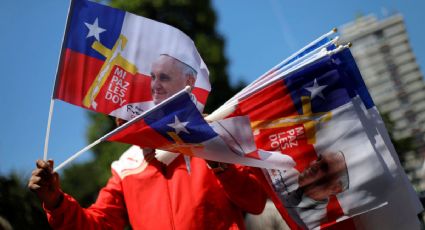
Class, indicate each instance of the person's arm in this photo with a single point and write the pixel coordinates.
(64, 212)
(242, 186)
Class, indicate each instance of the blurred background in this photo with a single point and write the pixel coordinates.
(238, 40)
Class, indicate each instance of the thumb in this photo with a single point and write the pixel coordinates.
(55, 175)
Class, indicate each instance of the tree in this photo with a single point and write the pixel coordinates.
(198, 20)
(19, 206)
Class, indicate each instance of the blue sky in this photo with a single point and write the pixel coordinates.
(258, 35)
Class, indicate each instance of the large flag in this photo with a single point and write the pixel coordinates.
(401, 196)
(176, 125)
(311, 115)
(106, 59)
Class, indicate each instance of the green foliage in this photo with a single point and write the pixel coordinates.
(83, 181)
(19, 206)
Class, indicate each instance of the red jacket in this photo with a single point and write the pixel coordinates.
(155, 196)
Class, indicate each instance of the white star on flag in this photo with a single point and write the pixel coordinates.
(179, 126)
(94, 29)
(316, 90)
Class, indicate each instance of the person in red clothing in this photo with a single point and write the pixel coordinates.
(148, 194)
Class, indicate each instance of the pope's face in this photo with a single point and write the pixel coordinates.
(322, 178)
(167, 78)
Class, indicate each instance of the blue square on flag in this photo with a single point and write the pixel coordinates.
(89, 22)
(180, 117)
(320, 82)
(174, 121)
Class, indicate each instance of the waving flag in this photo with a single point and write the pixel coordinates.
(177, 126)
(306, 105)
(400, 196)
(310, 114)
(316, 130)
(106, 59)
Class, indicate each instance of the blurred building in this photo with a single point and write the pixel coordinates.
(387, 63)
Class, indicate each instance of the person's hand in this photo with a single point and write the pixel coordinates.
(44, 182)
(148, 154)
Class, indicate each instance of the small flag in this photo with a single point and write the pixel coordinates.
(177, 126)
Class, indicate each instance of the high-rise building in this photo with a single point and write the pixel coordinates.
(385, 59)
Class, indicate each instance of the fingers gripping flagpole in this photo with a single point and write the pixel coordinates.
(124, 126)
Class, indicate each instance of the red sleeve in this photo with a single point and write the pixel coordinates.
(243, 188)
(108, 212)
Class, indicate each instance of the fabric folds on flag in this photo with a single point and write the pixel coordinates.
(311, 115)
(106, 59)
(177, 126)
(401, 196)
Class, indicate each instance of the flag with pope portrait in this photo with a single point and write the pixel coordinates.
(309, 122)
(106, 59)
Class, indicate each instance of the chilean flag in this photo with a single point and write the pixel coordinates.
(106, 59)
(307, 114)
(174, 122)
(176, 125)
